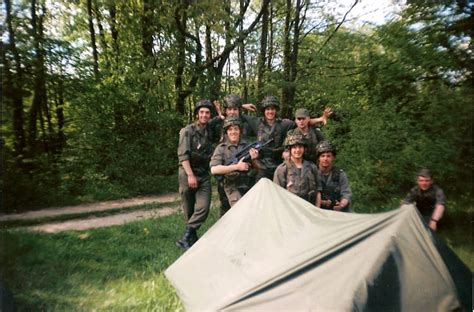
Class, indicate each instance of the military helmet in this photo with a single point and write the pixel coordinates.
(206, 104)
(269, 101)
(325, 147)
(294, 139)
(231, 121)
(424, 172)
(232, 101)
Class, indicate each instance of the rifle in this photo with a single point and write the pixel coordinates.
(245, 152)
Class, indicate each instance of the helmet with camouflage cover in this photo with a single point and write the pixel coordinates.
(325, 147)
(269, 101)
(206, 104)
(232, 101)
(294, 139)
(231, 121)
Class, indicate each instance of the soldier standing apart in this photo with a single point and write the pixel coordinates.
(335, 191)
(194, 152)
(296, 174)
(235, 171)
(428, 198)
(311, 134)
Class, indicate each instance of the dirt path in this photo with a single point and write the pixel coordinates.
(93, 207)
(96, 222)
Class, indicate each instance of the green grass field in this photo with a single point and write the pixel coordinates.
(117, 268)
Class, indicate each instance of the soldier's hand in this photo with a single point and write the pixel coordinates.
(285, 155)
(249, 107)
(242, 165)
(192, 181)
(326, 113)
(433, 225)
(217, 105)
(326, 202)
(337, 205)
(253, 153)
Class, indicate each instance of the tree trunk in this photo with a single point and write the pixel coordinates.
(39, 107)
(242, 61)
(285, 96)
(93, 43)
(102, 40)
(270, 41)
(16, 86)
(262, 55)
(290, 63)
(180, 19)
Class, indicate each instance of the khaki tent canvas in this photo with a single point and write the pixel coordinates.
(276, 252)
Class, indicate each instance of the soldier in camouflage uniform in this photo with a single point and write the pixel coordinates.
(194, 152)
(296, 174)
(237, 180)
(428, 198)
(335, 191)
(271, 127)
(312, 134)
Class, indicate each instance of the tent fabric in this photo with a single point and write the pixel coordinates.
(274, 251)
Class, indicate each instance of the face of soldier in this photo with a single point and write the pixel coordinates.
(232, 112)
(270, 113)
(204, 115)
(424, 183)
(325, 160)
(302, 122)
(297, 151)
(233, 134)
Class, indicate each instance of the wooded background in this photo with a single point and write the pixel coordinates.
(95, 91)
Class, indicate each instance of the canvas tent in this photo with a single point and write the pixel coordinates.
(276, 252)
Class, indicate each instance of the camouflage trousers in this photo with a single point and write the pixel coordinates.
(195, 202)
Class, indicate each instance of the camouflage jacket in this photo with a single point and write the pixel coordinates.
(195, 145)
(334, 186)
(302, 182)
(223, 155)
(271, 155)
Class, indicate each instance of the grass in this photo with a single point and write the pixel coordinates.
(121, 267)
(116, 268)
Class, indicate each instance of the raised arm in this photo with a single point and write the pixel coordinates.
(323, 119)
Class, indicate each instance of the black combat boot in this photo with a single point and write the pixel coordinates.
(193, 238)
(185, 241)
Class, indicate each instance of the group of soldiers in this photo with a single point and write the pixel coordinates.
(292, 153)
(287, 152)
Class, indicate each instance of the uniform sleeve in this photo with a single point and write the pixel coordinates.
(252, 121)
(279, 177)
(215, 128)
(314, 171)
(345, 189)
(319, 134)
(184, 145)
(288, 124)
(218, 156)
(440, 198)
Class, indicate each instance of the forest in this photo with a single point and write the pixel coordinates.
(94, 92)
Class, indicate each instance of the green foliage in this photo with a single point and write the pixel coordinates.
(401, 101)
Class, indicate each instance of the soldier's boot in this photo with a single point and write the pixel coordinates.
(185, 242)
(193, 238)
